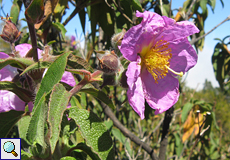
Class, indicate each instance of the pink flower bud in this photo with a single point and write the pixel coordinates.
(10, 32)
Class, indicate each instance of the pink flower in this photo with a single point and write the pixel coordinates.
(73, 42)
(159, 50)
(10, 101)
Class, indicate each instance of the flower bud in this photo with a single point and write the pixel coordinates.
(10, 32)
(123, 80)
(109, 80)
(109, 63)
(117, 38)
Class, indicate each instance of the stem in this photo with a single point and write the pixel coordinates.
(79, 6)
(32, 36)
(164, 137)
(189, 10)
(78, 86)
(12, 46)
(197, 39)
(33, 41)
(119, 9)
(128, 133)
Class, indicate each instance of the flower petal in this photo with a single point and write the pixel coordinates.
(176, 30)
(3, 55)
(142, 35)
(24, 48)
(162, 95)
(68, 78)
(9, 101)
(135, 92)
(184, 56)
(7, 73)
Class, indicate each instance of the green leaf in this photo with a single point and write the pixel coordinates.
(35, 11)
(82, 14)
(222, 3)
(25, 38)
(99, 95)
(60, 27)
(23, 94)
(52, 76)
(16, 62)
(218, 59)
(26, 155)
(8, 120)
(92, 12)
(94, 132)
(179, 145)
(109, 124)
(14, 12)
(87, 150)
(37, 65)
(23, 125)
(78, 63)
(124, 140)
(68, 158)
(35, 132)
(59, 99)
(214, 120)
(105, 18)
(187, 107)
(212, 3)
(203, 5)
(136, 5)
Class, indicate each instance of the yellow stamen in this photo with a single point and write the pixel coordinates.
(156, 60)
(177, 73)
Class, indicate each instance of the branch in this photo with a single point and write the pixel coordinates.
(119, 9)
(189, 10)
(33, 38)
(197, 39)
(79, 7)
(170, 8)
(127, 132)
(164, 137)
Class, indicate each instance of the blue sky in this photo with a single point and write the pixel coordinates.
(203, 70)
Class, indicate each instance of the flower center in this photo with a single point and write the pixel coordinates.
(157, 59)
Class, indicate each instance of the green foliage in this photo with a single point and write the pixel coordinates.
(8, 120)
(52, 76)
(89, 124)
(22, 93)
(84, 131)
(221, 63)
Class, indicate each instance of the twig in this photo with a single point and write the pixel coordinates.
(161, 4)
(156, 128)
(79, 7)
(164, 137)
(120, 10)
(127, 132)
(170, 8)
(32, 37)
(78, 87)
(197, 39)
(189, 9)
(72, 3)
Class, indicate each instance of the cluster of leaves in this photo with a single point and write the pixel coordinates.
(84, 131)
(221, 62)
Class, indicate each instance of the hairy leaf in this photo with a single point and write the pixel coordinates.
(8, 120)
(16, 62)
(23, 94)
(59, 99)
(94, 132)
(52, 76)
(99, 95)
